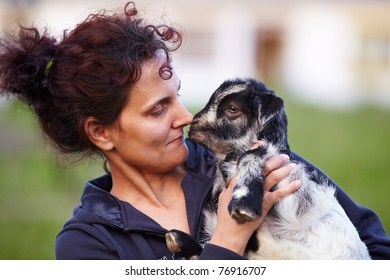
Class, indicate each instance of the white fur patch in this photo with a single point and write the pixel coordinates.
(240, 192)
(210, 219)
(230, 90)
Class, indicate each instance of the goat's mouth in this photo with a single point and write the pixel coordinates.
(194, 132)
(196, 129)
(205, 138)
(197, 135)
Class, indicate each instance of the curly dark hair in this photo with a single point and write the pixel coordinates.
(87, 74)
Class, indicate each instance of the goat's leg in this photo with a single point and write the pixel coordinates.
(247, 198)
(182, 244)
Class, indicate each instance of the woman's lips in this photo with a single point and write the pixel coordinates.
(180, 138)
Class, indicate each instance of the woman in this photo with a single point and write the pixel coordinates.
(109, 88)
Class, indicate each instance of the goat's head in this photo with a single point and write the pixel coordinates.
(235, 116)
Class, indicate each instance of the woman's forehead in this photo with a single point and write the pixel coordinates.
(151, 87)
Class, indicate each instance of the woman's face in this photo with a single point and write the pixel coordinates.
(149, 132)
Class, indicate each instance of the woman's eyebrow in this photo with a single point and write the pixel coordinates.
(150, 107)
(154, 104)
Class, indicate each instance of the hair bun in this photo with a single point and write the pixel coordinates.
(23, 63)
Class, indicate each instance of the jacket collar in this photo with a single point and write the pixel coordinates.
(98, 201)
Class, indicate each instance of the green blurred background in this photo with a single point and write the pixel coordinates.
(38, 192)
(329, 60)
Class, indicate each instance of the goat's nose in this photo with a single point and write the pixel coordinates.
(197, 117)
(195, 120)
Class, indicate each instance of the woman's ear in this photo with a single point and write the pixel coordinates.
(98, 134)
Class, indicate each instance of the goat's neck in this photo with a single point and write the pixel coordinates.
(275, 132)
(232, 149)
(234, 155)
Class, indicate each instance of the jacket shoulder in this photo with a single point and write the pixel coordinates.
(81, 241)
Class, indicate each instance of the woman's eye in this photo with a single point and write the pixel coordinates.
(158, 110)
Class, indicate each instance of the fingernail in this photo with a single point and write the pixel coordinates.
(285, 157)
(262, 142)
(293, 165)
(297, 184)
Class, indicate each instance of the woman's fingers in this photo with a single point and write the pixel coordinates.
(270, 198)
(276, 175)
(276, 168)
(275, 162)
(258, 144)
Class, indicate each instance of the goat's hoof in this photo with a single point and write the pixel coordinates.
(182, 244)
(171, 238)
(243, 216)
(241, 213)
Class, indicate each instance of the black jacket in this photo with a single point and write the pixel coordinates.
(104, 227)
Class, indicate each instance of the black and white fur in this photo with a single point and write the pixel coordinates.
(309, 224)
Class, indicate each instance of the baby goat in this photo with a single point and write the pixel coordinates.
(310, 223)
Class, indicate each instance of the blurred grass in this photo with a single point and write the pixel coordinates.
(38, 192)
(37, 195)
(352, 147)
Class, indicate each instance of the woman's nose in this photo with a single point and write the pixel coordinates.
(183, 117)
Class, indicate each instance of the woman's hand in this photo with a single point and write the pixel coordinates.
(233, 236)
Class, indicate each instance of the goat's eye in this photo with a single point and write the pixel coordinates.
(232, 112)
(232, 109)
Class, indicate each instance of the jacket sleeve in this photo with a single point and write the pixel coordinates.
(84, 242)
(366, 221)
(214, 252)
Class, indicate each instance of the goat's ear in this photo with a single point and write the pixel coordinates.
(266, 105)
